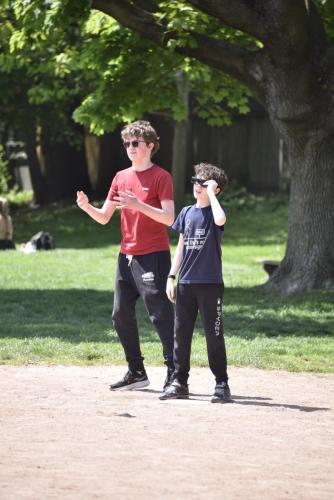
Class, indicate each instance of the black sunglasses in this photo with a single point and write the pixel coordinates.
(134, 144)
(197, 180)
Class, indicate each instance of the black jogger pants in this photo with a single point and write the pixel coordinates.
(208, 300)
(145, 276)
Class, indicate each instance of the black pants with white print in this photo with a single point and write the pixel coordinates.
(208, 300)
(145, 276)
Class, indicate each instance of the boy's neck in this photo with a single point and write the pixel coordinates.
(141, 167)
(202, 203)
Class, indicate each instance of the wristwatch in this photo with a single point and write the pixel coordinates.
(172, 276)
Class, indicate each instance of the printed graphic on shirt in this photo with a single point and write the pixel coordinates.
(197, 242)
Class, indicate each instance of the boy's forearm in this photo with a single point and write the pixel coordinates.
(176, 264)
(97, 214)
(164, 215)
(177, 259)
(217, 211)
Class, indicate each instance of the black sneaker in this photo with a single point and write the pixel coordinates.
(175, 391)
(131, 381)
(222, 393)
(168, 379)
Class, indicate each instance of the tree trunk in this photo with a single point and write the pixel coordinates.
(104, 159)
(180, 142)
(309, 258)
(36, 175)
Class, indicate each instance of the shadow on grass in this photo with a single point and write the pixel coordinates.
(72, 315)
(250, 312)
(85, 315)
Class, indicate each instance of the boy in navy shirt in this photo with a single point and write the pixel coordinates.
(200, 285)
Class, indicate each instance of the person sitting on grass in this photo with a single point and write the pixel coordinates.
(6, 227)
(200, 284)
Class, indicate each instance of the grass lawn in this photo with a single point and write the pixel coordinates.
(56, 306)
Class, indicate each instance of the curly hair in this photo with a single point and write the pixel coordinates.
(208, 171)
(141, 129)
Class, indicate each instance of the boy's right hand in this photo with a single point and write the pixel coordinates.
(170, 289)
(211, 187)
(82, 200)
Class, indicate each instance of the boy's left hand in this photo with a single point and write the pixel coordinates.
(170, 290)
(126, 200)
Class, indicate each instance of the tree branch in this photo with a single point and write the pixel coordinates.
(219, 54)
(149, 5)
(234, 13)
(130, 16)
(225, 57)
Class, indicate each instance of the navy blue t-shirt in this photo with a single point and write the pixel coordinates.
(202, 262)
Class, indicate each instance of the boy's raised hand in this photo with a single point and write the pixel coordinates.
(82, 199)
(170, 290)
(211, 186)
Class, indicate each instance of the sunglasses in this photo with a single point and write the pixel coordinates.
(134, 144)
(197, 180)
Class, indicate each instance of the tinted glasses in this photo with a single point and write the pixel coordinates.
(134, 144)
(197, 180)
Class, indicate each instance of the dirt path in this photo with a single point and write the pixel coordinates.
(64, 435)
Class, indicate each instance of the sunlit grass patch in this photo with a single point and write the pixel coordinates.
(56, 306)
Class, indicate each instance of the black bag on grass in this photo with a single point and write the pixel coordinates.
(43, 241)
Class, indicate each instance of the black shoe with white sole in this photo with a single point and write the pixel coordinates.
(169, 378)
(136, 380)
(222, 393)
(175, 391)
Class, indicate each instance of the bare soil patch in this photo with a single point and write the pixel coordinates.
(64, 435)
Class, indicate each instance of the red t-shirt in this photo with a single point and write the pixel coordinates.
(140, 233)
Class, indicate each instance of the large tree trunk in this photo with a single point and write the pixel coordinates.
(300, 106)
(309, 257)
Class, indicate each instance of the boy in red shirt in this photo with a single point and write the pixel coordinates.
(144, 193)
